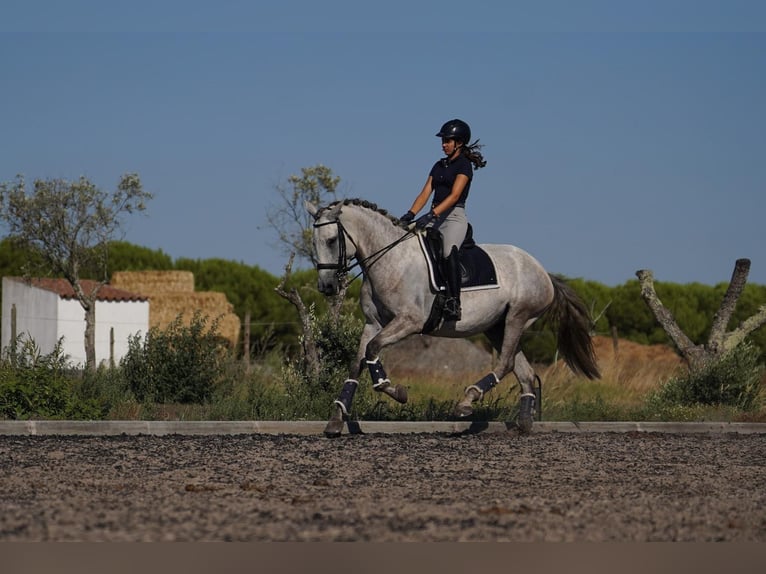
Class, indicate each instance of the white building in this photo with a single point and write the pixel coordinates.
(46, 310)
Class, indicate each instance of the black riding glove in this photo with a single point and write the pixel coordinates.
(407, 218)
(423, 221)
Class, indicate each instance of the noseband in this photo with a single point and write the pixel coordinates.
(342, 267)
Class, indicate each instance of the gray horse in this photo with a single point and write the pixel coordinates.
(397, 300)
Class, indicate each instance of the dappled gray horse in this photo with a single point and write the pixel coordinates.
(397, 300)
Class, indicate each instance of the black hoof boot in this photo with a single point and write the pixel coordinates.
(342, 409)
(526, 413)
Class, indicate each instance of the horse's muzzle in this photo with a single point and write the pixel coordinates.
(327, 287)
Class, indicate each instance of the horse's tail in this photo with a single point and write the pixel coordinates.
(574, 324)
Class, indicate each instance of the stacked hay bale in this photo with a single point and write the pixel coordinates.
(171, 293)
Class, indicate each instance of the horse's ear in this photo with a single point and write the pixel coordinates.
(311, 208)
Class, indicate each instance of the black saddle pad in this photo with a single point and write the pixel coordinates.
(476, 266)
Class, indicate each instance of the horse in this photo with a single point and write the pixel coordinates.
(397, 299)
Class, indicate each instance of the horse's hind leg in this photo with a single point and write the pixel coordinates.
(382, 384)
(506, 338)
(528, 399)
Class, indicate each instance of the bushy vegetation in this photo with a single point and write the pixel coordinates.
(178, 364)
(733, 381)
(34, 385)
(308, 395)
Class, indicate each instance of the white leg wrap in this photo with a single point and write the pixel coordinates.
(378, 375)
(484, 385)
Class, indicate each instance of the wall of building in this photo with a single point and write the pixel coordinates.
(46, 317)
(36, 314)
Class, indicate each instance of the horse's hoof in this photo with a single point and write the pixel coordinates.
(334, 428)
(525, 425)
(463, 410)
(465, 407)
(400, 394)
(335, 424)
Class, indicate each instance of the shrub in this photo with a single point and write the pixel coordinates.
(337, 342)
(733, 380)
(179, 364)
(37, 385)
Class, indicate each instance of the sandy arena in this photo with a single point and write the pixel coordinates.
(622, 487)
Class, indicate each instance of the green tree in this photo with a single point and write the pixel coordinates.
(124, 256)
(68, 225)
(294, 227)
(288, 217)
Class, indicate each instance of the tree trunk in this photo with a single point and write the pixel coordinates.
(719, 342)
(308, 343)
(90, 334)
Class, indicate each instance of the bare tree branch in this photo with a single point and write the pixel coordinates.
(719, 341)
(308, 344)
(725, 311)
(661, 313)
(744, 329)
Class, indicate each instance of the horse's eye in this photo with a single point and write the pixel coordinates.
(331, 241)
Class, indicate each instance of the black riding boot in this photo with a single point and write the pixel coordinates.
(452, 304)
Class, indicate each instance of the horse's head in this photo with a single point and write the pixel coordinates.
(329, 243)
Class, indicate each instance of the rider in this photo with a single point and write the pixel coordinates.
(449, 181)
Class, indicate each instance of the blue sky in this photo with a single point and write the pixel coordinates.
(618, 137)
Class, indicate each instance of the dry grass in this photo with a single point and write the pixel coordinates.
(628, 374)
(442, 371)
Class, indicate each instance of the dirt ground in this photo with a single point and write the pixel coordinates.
(421, 487)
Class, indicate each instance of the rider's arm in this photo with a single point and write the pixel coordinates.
(423, 196)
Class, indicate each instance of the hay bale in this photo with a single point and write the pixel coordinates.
(154, 282)
(171, 293)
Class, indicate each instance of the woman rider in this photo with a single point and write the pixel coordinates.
(449, 181)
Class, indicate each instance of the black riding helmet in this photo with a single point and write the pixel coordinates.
(456, 130)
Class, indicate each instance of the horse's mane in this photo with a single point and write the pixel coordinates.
(367, 205)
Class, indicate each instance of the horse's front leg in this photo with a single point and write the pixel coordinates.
(395, 331)
(342, 405)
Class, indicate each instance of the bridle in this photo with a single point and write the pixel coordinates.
(342, 267)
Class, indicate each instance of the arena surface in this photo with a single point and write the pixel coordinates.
(429, 486)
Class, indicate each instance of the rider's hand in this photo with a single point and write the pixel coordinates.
(407, 218)
(423, 221)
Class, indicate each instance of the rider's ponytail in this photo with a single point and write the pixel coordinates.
(473, 153)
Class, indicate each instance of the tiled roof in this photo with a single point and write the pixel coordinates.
(65, 291)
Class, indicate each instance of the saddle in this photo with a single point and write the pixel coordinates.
(476, 268)
(477, 271)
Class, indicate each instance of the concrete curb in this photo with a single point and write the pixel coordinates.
(161, 428)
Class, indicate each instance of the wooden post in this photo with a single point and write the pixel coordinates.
(246, 341)
(111, 347)
(13, 334)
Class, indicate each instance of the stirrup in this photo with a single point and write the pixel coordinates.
(452, 309)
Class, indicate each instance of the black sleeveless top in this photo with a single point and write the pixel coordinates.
(443, 174)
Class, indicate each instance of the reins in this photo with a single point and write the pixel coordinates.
(341, 267)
